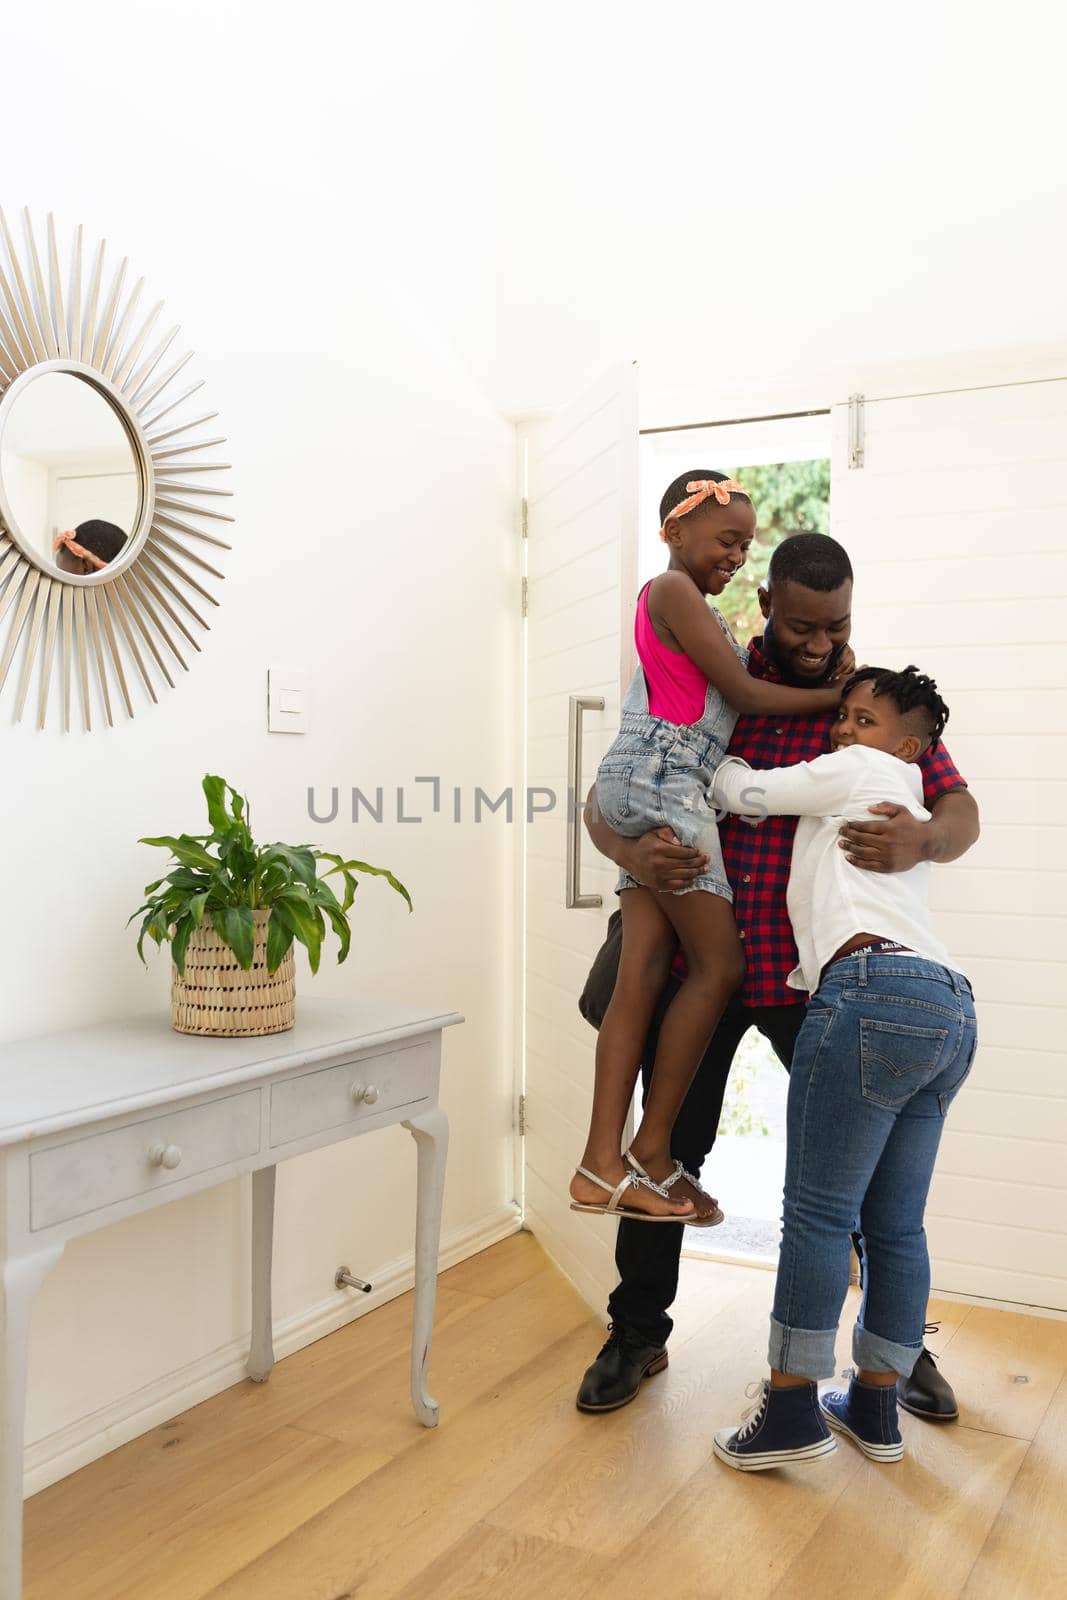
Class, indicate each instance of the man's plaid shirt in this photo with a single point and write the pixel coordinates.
(758, 859)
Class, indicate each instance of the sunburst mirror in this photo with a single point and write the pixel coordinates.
(103, 514)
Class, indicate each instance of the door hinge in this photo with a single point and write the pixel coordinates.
(855, 430)
(526, 597)
(522, 1115)
(525, 517)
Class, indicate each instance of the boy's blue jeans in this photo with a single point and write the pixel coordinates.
(886, 1043)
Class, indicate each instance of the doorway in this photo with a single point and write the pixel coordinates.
(785, 462)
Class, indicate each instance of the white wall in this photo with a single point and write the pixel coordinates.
(29, 489)
(308, 192)
(752, 195)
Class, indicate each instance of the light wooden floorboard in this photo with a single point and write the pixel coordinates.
(321, 1486)
(1025, 1555)
(1006, 1369)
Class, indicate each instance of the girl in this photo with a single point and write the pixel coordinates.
(887, 1042)
(677, 719)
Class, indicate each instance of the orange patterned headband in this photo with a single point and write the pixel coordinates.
(77, 549)
(699, 491)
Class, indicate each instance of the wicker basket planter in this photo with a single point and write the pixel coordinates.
(218, 997)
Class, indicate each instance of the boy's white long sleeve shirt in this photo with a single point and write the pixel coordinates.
(830, 901)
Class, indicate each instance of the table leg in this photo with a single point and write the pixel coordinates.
(261, 1354)
(430, 1132)
(20, 1279)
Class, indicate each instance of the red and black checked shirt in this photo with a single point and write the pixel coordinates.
(758, 859)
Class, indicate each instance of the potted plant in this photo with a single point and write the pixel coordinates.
(231, 910)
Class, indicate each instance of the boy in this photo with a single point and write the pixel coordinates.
(888, 1040)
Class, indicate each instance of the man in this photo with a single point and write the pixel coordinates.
(806, 606)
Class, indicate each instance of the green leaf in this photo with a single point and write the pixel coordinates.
(299, 859)
(189, 851)
(149, 906)
(215, 793)
(273, 880)
(239, 860)
(157, 926)
(186, 878)
(236, 926)
(339, 866)
(179, 941)
(340, 926)
(145, 925)
(279, 938)
(195, 908)
(378, 872)
(323, 895)
(300, 917)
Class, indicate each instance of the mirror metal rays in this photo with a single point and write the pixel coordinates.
(103, 521)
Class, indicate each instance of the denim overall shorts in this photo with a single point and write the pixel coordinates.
(659, 774)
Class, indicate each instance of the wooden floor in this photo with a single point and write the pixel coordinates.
(321, 1486)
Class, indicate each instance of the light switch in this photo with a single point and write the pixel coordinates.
(288, 700)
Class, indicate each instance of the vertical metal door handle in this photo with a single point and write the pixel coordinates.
(579, 703)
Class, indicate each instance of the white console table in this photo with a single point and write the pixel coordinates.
(108, 1121)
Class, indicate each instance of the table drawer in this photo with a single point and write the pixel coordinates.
(71, 1180)
(335, 1097)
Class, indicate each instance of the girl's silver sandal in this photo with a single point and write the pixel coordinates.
(612, 1208)
(708, 1219)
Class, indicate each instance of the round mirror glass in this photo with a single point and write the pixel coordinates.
(69, 473)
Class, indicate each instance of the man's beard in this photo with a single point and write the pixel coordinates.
(772, 648)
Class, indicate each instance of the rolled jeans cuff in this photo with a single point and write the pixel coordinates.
(875, 1354)
(803, 1352)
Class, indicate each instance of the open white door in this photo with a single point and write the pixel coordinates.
(955, 520)
(581, 572)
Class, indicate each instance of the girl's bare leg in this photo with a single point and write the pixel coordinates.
(648, 946)
(705, 927)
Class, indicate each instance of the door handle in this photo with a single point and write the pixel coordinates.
(579, 704)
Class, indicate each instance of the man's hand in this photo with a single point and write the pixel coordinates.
(845, 665)
(659, 862)
(893, 844)
(655, 859)
(901, 841)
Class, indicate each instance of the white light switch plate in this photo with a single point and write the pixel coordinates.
(288, 700)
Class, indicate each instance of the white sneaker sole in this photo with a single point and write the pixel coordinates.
(769, 1458)
(873, 1452)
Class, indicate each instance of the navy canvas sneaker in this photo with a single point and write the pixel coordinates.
(867, 1414)
(785, 1425)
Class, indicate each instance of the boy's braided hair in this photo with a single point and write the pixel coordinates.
(911, 691)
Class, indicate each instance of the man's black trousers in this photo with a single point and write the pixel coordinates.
(647, 1255)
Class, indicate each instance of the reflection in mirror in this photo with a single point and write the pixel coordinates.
(69, 473)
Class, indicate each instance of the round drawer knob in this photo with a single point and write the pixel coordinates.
(370, 1095)
(165, 1155)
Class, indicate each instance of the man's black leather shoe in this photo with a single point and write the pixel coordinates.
(615, 1377)
(927, 1393)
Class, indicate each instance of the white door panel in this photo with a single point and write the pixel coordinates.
(581, 562)
(957, 527)
(1000, 534)
(1032, 620)
(1040, 711)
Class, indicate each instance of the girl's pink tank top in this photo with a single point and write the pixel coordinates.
(677, 689)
